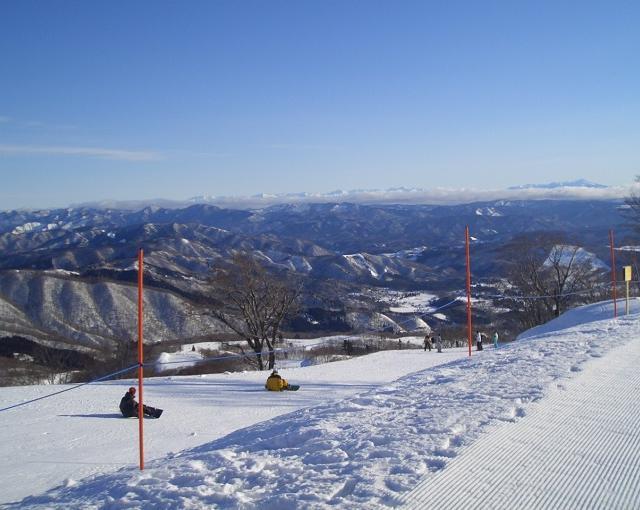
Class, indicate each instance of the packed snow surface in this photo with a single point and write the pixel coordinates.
(371, 432)
(81, 432)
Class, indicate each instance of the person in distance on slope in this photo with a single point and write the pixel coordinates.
(495, 340)
(427, 343)
(439, 342)
(129, 406)
(479, 341)
(275, 382)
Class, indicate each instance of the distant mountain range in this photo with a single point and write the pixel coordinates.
(578, 183)
(66, 275)
(580, 189)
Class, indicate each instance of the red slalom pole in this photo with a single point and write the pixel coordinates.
(140, 360)
(613, 275)
(469, 332)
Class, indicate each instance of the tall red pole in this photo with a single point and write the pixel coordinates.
(140, 359)
(613, 274)
(469, 331)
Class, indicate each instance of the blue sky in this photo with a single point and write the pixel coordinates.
(132, 100)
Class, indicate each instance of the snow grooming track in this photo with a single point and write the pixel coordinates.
(580, 449)
(366, 451)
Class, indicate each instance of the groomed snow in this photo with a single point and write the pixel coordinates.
(353, 440)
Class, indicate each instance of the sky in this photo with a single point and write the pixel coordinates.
(136, 100)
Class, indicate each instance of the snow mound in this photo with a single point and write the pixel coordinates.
(582, 315)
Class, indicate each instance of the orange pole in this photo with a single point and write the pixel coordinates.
(469, 332)
(613, 275)
(140, 360)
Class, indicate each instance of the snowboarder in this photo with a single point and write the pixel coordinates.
(129, 406)
(427, 343)
(277, 383)
(495, 340)
(439, 342)
(479, 341)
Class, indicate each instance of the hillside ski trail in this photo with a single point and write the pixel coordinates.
(579, 448)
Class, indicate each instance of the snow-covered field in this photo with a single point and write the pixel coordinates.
(81, 432)
(389, 429)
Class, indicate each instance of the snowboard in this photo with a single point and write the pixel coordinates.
(293, 387)
(156, 414)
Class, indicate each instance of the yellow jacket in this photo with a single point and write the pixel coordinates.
(276, 383)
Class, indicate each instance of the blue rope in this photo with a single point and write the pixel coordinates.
(69, 389)
(457, 300)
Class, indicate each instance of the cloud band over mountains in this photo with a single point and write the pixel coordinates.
(96, 152)
(436, 196)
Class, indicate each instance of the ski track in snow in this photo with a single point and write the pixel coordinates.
(578, 449)
(370, 449)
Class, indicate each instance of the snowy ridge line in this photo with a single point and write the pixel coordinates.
(69, 389)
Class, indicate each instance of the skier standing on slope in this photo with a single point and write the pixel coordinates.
(495, 340)
(479, 341)
(439, 342)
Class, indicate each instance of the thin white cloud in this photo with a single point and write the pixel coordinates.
(442, 196)
(436, 196)
(4, 119)
(94, 152)
(33, 124)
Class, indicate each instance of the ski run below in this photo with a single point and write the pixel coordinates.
(548, 421)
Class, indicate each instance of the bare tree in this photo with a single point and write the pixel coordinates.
(54, 363)
(254, 304)
(550, 275)
(633, 204)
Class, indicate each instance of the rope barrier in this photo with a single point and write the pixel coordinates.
(69, 389)
(457, 301)
(585, 291)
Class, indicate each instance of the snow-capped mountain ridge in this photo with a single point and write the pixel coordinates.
(578, 183)
(580, 189)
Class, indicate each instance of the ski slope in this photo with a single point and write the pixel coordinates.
(80, 433)
(546, 422)
(576, 448)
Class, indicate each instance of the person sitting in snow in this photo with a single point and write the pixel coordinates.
(129, 406)
(275, 382)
